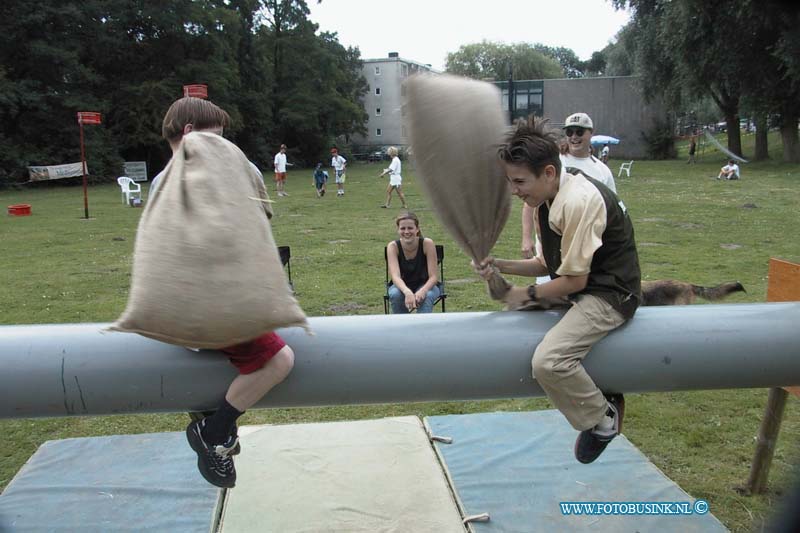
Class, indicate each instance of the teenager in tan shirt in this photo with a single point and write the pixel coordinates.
(589, 252)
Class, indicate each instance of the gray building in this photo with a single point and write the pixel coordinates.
(384, 102)
(615, 104)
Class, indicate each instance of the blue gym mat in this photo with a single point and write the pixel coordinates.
(119, 483)
(519, 467)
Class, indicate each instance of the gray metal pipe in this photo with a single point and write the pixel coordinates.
(76, 369)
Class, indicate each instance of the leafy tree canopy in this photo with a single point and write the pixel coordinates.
(732, 52)
(491, 60)
(263, 62)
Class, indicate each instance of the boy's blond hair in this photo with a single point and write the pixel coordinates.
(200, 113)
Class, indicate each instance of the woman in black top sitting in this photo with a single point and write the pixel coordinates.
(412, 268)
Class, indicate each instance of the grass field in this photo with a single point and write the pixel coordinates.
(57, 267)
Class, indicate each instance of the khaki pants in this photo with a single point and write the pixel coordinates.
(557, 360)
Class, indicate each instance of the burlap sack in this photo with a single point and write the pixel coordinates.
(206, 271)
(456, 127)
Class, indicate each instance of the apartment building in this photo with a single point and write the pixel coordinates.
(384, 102)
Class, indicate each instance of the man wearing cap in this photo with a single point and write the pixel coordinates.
(578, 128)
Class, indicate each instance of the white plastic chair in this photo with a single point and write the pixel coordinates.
(626, 167)
(129, 188)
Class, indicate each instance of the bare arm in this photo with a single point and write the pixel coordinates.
(527, 231)
(394, 268)
(430, 255)
(521, 267)
(397, 280)
(519, 296)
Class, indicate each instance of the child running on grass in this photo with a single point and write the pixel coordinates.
(320, 178)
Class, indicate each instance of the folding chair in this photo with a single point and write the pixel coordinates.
(130, 189)
(286, 257)
(439, 261)
(626, 167)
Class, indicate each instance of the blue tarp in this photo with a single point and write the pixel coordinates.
(519, 467)
(119, 483)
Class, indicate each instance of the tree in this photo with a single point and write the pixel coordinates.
(47, 78)
(566, 57)
(318, 85)
(773, 85)
(491, 60)
(684, 48)
(261, 60)
(729, 51)
(620, 55)
(596, 65)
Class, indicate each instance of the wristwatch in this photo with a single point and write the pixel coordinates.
(532, 293)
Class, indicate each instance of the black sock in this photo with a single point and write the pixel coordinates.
(219, 426)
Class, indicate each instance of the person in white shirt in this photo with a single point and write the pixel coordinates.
(280, 171)
(339, 165)
(729, 171)
(578, 129)
(604, 155)
(395, 178)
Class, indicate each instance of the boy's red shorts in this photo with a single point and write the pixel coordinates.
(253, 355)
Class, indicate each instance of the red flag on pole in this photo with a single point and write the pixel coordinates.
(86, 117)
(196, 91)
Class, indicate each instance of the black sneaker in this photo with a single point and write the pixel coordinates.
(197, 416)
(590, 444)
(233, 443)
(213, 461)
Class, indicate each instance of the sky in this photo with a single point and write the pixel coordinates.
(427, 30)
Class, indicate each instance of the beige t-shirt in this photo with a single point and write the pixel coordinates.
(578, 214)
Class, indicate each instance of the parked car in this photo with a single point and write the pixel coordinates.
(378, 155)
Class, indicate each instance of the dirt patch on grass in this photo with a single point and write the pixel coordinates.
(461, 281)
(340, 241)
(345, 308)
(688, 225)
(730, 246)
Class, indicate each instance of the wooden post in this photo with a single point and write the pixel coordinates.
(767, 438)
(783, 286)
(86, 117)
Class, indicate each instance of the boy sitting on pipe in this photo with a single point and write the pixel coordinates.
(588, 250)
(263, 362)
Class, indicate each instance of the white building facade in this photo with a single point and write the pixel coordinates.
(385, 101)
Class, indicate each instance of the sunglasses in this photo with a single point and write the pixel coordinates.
(577, 131)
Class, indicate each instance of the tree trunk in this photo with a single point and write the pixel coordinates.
(734, 134)
(762, 150)
(791, 142)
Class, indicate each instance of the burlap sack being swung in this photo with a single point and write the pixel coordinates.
(206, 271)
